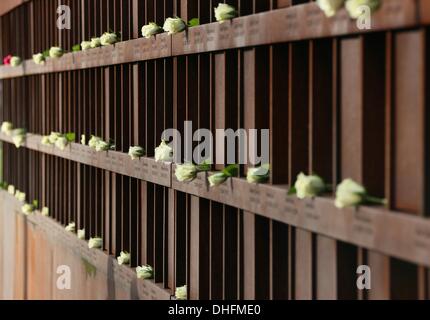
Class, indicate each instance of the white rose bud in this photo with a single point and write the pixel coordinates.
(186, 172)
(349, 194)
(20, 196)
(181, 293)
(45, 211)
(217, 178)
(163, 152)
(95, 43)
(18, 140)
(83, 140)
(15, 61)
(45, 141)
(92, 143)
(257, 175)
(71, 227)
(53, 137)
(224, 12)
(85, 45)
(95, 243)
(136, 152)
(38, 58)
(150, 30)
(108, 38)
(174, 25)
(7, 128)
(61, 143)
(308, 186)
(11, 189)
(81, 234)
(330, 7)
(144, 272)
(354, 7)
(56, 52)
(27, 209)
(102, 146)
(124, 258)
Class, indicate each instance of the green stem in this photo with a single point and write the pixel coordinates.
(375, 200)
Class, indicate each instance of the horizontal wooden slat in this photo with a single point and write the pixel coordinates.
(298, 22)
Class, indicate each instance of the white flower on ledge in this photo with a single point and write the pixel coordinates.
(71, 227)
(102, 146)
(45, 141)
(83, 139)
(217, 178)
(181, 293)
(186, 172)
(45, 211)
(163, 152)
(95, 243)
(355, 7)
(95, 43)
(258, 175)
(27, 209)
(85, 45)
(11, 189)
(330, 7)
(15, 61)
(92, 143)
(61, 143)
(53, 137)
(352, 194)
(224, 12)
(136, 152)
(309, 186)
(174, 25)
(7, 128)
(123, 258)
(56, 52)
(18, 137)
(145, 272)
(38, 58)
(81, 234)
(151, 29)
(108, 38)
(20, 196)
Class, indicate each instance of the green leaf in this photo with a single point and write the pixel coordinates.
(46, 53)
(231, 170)
(35, 204)
(292, 191)
(194, 22)
(70, 136)
(76, 47)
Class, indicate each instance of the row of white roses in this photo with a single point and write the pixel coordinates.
(354, 7)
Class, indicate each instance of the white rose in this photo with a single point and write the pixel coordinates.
(45, 141)
(11, 189)
(18, 140)
(54, 136)
(308, 186)
(349, 194)
(163, 152)
(95, 243)
(224, 12)
(81, 234)
(108, 38)
(39, 58)
(85, 45)
(6, 128)
(181, 293)
(83, 139)
(45, 211)
(61, 143)
(330, 7)
(186, 172)
(56, 52)
(136, 152)
(95, 42)
(71, 227)
(27, 209)
(257, 175)
(20, 196)
(92, 143)
(144, 272)
(15, 61)
(354, 7)
(217, 178)
(102, 146)
(174, 25)
(124, 258)
(151, 29)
